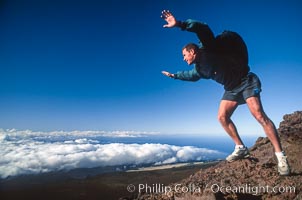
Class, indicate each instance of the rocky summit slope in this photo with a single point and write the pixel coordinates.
(252, 178)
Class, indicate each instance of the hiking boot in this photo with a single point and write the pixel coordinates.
(238, 153)
(283, 167)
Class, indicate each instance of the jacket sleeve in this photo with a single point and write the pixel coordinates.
(203, 31)
(191, 75)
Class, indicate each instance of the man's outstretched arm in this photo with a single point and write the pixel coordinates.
(203, 31)
(191, 75)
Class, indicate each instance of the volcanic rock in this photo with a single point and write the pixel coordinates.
(253, 178)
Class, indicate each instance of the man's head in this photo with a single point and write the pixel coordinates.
(189, 53)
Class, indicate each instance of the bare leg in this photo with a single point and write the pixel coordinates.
(255, 106)
(225, 112)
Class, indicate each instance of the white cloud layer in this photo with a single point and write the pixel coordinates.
(28, 152)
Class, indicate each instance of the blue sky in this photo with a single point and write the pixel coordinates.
(95, 65)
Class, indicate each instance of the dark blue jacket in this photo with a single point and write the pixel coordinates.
(210, 65)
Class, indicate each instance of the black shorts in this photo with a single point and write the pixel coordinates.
(250, 86)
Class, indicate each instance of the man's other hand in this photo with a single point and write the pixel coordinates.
(169, 18)
(168, 74)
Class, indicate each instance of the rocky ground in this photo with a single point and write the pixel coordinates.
(252, 178)
(86, 185)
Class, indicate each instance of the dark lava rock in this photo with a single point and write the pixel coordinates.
(253, 178)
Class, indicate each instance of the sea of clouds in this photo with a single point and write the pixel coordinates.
(32, 152)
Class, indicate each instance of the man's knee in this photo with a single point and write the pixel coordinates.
(223, 118)
(261, 118)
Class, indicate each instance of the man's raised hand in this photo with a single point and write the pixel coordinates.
(169, 18)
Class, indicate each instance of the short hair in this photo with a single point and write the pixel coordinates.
(191, 46)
